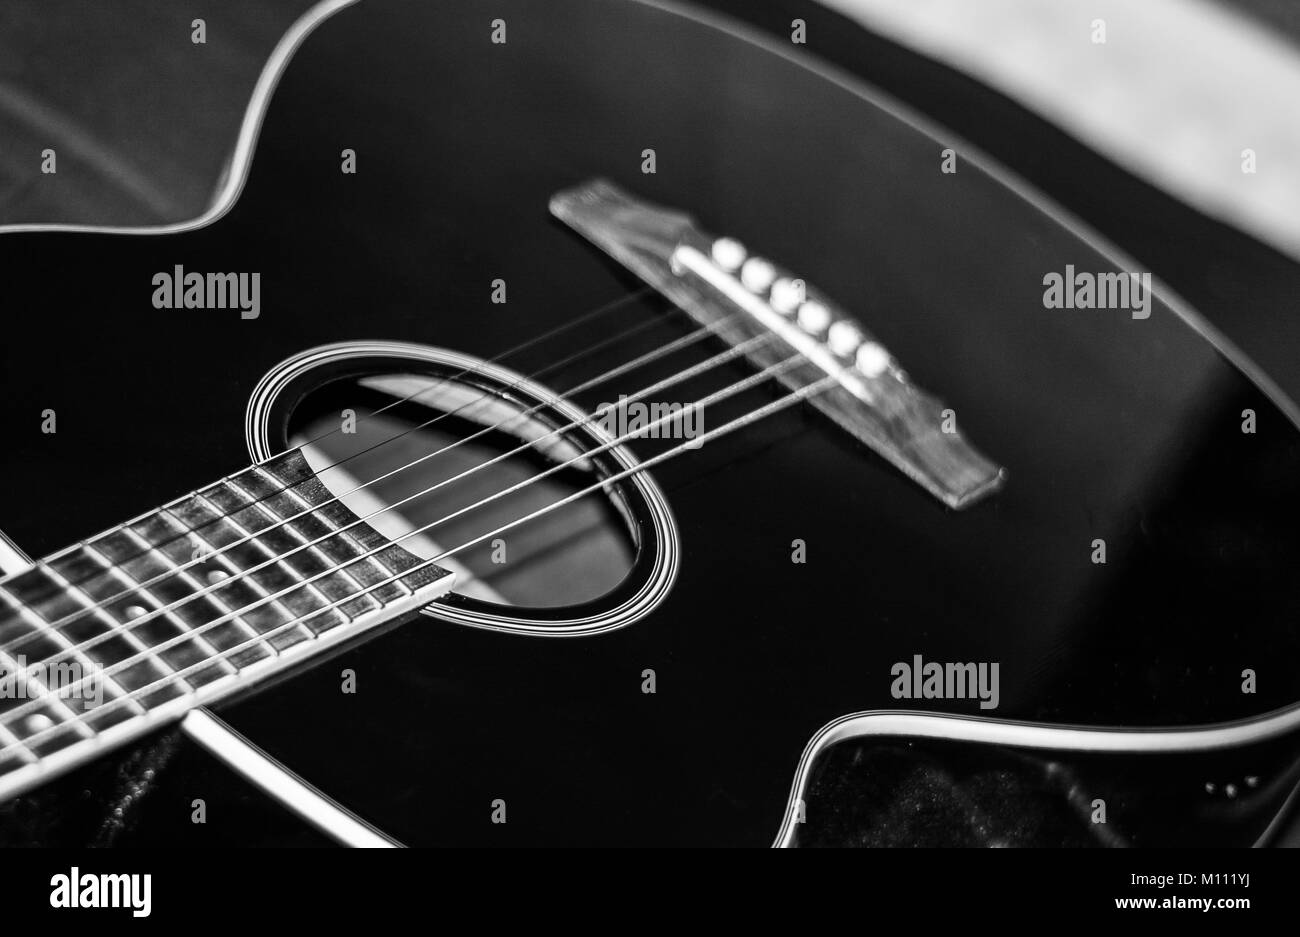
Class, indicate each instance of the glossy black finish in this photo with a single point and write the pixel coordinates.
(1110, 427)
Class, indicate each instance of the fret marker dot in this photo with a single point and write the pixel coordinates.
(217, 575)
(39, 723)
(135, 611)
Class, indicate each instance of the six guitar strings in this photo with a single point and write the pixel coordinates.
(731, 353)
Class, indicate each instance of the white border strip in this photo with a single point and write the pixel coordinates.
(12, 558)
(905, 723)
(281, 783)
(249, 128)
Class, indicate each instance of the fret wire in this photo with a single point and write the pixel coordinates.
(126, 628)
(344, 537)
(397, 579)
(255, 586)
(311, 548)
(30, 616)
(77, 723)
(275, 522)
(316, 512)
(53, 700)
(239, 620)
(83, 544)
(238, 576)
(190, 581)
(10, 742)
(275, 560)
(113, 625)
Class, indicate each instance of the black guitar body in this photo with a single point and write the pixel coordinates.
(1111, 428)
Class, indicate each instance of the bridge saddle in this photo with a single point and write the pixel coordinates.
(713, 278)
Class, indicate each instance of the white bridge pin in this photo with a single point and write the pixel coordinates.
(728, 253)
(814, 317)
(757, 275)
(786, 295)
(843, 338)
(713, 279)
(872, 359)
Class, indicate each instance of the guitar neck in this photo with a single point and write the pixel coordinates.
(185, 604)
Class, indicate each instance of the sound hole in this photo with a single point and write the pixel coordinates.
(425, 458)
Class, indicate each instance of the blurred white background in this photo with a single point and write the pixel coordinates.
(1173, 90)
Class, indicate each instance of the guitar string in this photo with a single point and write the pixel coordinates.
(780, 403)
(751, 381)
(130, 625)
(601, 310)
(186, 530)
(102, 603)
(198, 492)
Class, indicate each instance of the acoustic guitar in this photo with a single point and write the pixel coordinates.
(598, 423)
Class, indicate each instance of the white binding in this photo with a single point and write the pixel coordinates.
(908, 724)
(281, 783)
(12, 559)
(666, 542)
(237, 172)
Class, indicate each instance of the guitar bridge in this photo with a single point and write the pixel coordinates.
(738, 296)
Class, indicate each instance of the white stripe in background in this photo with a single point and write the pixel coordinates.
(1178, 90)
(284, 785)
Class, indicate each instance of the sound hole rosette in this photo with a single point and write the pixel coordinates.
(637, 499)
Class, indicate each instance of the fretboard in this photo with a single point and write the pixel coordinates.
(185, 604)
